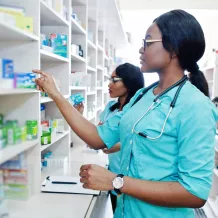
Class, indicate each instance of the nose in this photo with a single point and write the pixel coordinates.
(109, 85)
(141, 50)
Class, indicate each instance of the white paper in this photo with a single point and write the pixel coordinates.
(66, 188)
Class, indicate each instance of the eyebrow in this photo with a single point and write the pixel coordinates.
(148, 36)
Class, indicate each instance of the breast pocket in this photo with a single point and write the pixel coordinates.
(155, 122)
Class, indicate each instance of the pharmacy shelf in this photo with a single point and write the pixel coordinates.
(210, 67)
(100, 48)
(12, 151)
(77, 58)
(11, 33)
(106, 57)
(56, 139)
(98, 108)
(91, 45)
(216, 172)
(105, 91)
(17, 91)
(77, 28)
(100, 68)
(106, 75)
(211, 203)
(49, 17)
(78, 88)
(210, 81)
(47, 99)
(91, 69)
(91, 93)
(51, 57)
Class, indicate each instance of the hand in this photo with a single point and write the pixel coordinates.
(46, 84)
(96, 178)
(114, 149)
(80, 108)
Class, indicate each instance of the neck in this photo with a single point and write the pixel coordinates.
(168, 79)
(122, 100)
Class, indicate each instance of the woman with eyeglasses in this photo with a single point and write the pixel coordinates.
(167, 130)
(125, 81)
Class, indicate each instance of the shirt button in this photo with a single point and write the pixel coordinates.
(130, 142)
(127, 168)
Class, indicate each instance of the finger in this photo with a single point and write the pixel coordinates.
(40, 72)
(85, 167)
(86, 186)
(83, 173)
(83, 180)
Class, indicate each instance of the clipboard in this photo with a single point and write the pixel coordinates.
(65, 185)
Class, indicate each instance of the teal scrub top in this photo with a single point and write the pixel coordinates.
(184, 153)
(114, 158)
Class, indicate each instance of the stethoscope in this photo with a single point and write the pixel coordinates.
(156, 102)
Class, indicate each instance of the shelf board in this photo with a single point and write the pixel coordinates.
(91, 45)
(77, 58)
(91, 69)
(210, 67)
(99, 88)
(100, 48)
(106, 75)
(78, 88)
(211, 202)
(77, 28)
(51, 57)
(106, 57)
(91, 93)
(98, 108)
(12, 151)
(100, 68)
(56, 139)
(11, 33)
(47, 99)
(210, 81)
(17, 91)
(49, 17)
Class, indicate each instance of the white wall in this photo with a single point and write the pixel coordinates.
(137, 22)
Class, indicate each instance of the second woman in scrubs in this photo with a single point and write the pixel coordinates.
(125, 81)
(168, 172)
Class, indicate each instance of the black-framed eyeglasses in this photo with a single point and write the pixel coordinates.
(115, 79)
(147, 42)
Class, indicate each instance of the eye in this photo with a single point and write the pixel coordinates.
(148, 43)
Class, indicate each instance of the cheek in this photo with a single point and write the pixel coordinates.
(119, 90)
(155, 59)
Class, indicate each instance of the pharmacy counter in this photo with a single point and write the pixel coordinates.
(53, 205)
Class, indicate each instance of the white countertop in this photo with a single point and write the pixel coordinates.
(50, 205)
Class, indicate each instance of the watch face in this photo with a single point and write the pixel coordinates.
(118, 183)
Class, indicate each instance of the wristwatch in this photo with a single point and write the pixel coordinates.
(118, 183)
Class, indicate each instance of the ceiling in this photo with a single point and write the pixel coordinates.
(167, 4)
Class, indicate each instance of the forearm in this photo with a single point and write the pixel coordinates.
(82, 127)
(167, 194)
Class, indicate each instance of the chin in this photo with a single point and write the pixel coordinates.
(113, 96)
(143, 69)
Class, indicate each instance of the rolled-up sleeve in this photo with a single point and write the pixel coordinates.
(196, 139)
(110, 131)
